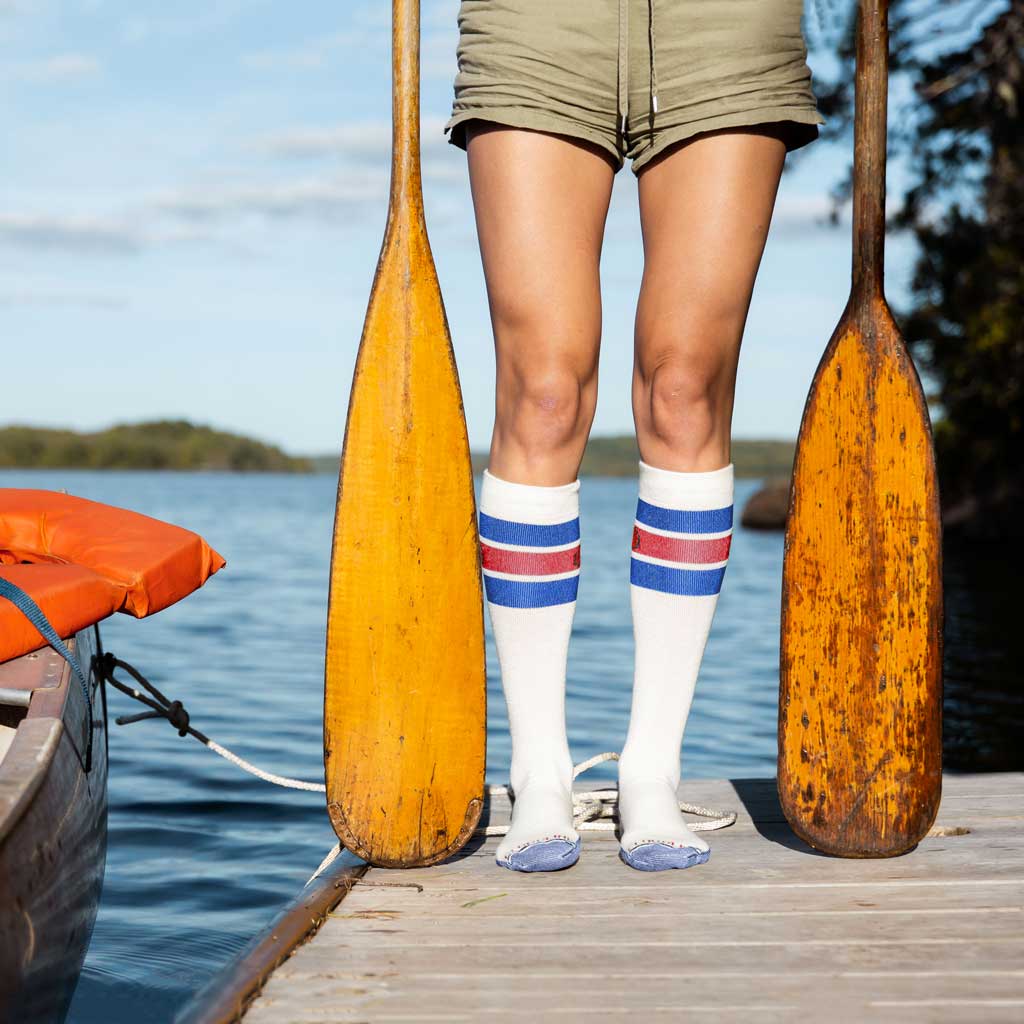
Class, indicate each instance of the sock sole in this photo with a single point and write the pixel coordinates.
(662, 857)
(550, 855)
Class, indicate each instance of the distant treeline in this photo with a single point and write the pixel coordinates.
(181, 445)
(617, 456)
(163, 444)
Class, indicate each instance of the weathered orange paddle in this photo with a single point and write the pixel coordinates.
(860, 753)
(405, 699)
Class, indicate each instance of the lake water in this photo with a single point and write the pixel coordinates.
(201, 856)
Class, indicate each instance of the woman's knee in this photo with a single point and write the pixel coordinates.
(546, 408)
(682, 399)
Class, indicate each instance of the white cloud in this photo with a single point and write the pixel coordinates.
(357, 139)
(53, 297)
(79, 234)
(212, 213)
(55, 69)
(108, 234)
(806, 212)
(369, 138)
(800, 211)
(186, 21)
(228, 209)
(315, 54)
(309, 59)
(315, 199)
(438, 41)
(446, 171)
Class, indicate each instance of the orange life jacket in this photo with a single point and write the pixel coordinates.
(81, 561)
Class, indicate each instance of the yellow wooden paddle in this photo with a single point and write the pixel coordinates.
(860, 752)
(405, 699)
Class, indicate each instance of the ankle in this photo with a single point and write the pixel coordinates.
(642, 767)
(555, 775)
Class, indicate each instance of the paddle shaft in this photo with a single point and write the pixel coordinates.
(406, 181)
(869, 144)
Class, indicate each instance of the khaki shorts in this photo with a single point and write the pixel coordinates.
(634, 76)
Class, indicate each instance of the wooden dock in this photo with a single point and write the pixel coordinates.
(767, 930)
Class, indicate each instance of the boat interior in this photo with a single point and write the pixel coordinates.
(18, 680)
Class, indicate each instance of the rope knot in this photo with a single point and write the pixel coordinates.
(175, 713)
(178, 717)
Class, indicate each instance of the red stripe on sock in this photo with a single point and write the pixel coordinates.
(675, 549)
(530, 563)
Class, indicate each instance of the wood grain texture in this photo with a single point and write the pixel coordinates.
(860, 745)
(225, 999)
(766, 930)
(860, 707)
(53, 839)
(405, 698)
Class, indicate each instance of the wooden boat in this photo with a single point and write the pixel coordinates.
(53, 827)
(66, 563)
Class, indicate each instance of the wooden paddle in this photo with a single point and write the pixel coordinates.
(405, 698)
(860, 753)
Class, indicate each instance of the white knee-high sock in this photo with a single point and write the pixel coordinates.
(680, 548)
(531, 557)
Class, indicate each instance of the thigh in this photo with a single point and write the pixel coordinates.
(705, 209)
(540, 203)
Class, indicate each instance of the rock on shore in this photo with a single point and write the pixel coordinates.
(768, 507)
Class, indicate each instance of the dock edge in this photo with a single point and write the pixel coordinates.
(228, 995)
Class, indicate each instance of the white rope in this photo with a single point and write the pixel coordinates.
(593, 810)
(326, 862)
(277, 780)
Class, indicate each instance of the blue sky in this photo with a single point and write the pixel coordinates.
(192, 199)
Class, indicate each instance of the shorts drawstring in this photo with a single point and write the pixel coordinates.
(623, 64)
(654, 65)
(623, 61)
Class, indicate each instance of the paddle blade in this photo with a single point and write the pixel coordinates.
(405, 701)
(861, 676)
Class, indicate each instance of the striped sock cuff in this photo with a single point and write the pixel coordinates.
(530, 564)
(681, 544)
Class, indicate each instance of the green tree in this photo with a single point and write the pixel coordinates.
(162, 444)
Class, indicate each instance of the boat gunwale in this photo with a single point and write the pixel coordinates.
(232, 990)
(35, 744)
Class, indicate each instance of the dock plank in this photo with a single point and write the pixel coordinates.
(766, 930)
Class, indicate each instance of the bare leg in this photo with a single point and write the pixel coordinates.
(705, 209)
(540, 202)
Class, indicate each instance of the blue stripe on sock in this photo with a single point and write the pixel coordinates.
(517, 594)
(688, 582)
(504, 531)
(714, 520)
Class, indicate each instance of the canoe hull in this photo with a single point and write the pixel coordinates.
(53, 834)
